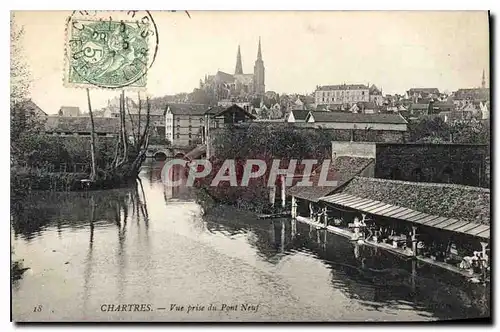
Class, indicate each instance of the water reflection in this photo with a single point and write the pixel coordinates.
(159, 245)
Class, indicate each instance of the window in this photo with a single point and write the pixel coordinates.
(190, 127)
(177, 136)
(178, 120)
(201, 120)
(189, 135)
(189, 119)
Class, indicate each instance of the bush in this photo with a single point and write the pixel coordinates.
(264, 142)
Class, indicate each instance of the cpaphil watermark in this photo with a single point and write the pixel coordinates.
(179, 172)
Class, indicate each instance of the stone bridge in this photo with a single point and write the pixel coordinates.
(162, 152)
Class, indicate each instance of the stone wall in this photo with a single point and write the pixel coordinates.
(341, 135)
(439, 163)
(353, 149)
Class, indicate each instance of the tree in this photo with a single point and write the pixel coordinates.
(24, 123)
(199, 96)
(437, 131)
(19, 70)
(434, 129)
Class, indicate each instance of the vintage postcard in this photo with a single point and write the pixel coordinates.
(250, 166)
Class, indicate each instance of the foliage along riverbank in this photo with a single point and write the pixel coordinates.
(54, 163)
(265, 143)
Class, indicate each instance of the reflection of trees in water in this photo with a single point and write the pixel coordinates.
(385, 281)
(119, 210)
(72, 210)
(43, 209)
(89, 258)
(266, 236)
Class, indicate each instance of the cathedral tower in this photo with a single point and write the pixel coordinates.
(259, 73)
(483, 82)
(239, 67)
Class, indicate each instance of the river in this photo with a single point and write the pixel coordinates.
(157, 249)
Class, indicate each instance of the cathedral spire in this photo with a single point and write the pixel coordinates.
(483, 82)
(259, 73)
(239, 67)
(259, 52)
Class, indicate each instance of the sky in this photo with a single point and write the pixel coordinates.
(395, 51)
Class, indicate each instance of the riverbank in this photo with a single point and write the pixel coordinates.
(25, 179)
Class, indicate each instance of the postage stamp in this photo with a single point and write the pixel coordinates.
(113, 53)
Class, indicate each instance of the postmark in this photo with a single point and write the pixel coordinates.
(110, 50)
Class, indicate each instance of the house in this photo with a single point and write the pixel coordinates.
(485, 110)
(81, 126)
(360, 121)
(376, 95)
(474, 94)
(438, 107)
(341, 94)
(233, 115)
(184, 123)
(417, 110)
(69, 111)
(297, 116)
(365, 107)
(416, 94)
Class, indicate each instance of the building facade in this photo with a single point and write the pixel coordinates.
(185, 123)
(341, 94)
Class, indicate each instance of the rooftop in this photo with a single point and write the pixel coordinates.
(69, 111)
(224, 77)
(423, 90)
(465, 203)
(233, 108)
(300, 114)
(187, 109)
(419, 106)
(343, 87)
(341, 170)
(357, 117)
(81, 124)
(475, 93)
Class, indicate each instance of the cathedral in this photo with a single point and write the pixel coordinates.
(237, 85)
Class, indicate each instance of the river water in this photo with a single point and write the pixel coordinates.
(159, 254)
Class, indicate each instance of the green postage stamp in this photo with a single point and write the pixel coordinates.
(107, 53)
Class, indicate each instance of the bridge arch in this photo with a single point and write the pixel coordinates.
(179, 155)
(163, 154)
